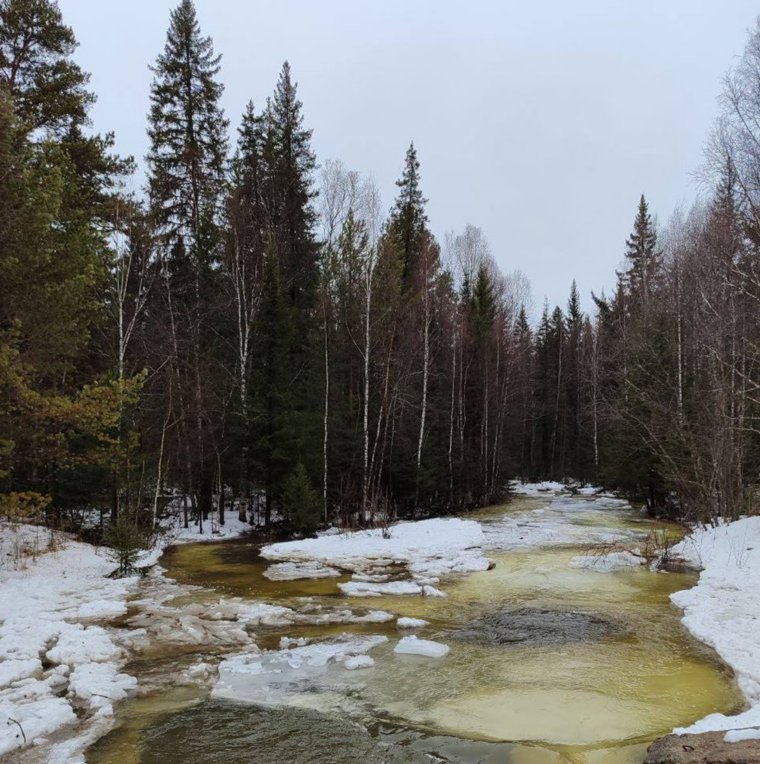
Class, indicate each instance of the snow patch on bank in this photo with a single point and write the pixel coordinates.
(723, 610)
(429, 548)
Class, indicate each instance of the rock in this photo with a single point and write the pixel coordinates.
(705, 748)
(536, 626)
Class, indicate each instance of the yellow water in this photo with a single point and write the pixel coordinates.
(585, 702)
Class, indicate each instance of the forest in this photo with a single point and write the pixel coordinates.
(253, 328)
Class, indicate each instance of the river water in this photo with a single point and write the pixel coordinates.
(601, 668)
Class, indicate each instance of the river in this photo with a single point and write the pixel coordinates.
(602, 665)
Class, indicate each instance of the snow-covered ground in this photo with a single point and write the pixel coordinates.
(60, 661)
(176, 533)
(55, 661)
(723, 610)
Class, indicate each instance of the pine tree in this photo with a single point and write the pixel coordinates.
(36, 67)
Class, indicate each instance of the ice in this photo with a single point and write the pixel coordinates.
(359, 662)
(412, 645)
(33, 719)
(411, 623)
(290, 675)
(606, 563)
(736, 736)
(367, 589)
(291, 571)
(14, 669)
(100, 683)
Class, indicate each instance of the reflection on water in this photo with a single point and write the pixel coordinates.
(585, 701)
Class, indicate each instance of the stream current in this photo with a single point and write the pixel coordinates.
(548, 662)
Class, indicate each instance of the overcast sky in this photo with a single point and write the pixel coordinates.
(540, 122)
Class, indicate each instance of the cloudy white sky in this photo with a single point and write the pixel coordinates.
(540, 122)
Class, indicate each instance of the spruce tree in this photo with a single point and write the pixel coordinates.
(408, 218)
(186, 185)
(288, 392)
(642, 255)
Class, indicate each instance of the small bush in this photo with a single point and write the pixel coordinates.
(126, 539)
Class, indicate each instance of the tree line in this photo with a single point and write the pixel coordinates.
(254, 326)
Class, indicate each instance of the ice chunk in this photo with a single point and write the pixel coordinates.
(359, 662)
(411, 645)
(411, 623)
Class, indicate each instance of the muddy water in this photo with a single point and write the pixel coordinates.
(583, 700)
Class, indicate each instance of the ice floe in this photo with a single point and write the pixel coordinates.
(413, 645)
(282, 677)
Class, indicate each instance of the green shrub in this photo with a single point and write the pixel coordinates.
(300, 502)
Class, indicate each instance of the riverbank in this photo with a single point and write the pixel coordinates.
(61, 656)
(723, 611)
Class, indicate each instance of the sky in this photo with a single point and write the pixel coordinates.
(539, 122)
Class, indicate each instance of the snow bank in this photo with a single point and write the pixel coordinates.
(430, 548)
(723, 609)
(42, 602)
(176, 533)
(537, 489)
(412, 645)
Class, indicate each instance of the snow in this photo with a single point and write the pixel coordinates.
(430, 548)
(100, 683)
(723, 609)
(175, 533)
(736, 736)
(412, 645)
(411, 623)
(537, 489)
(42, 603)
(13, 669)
